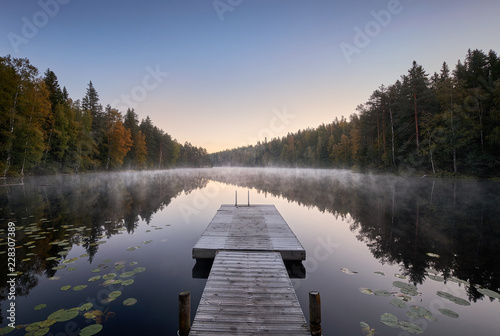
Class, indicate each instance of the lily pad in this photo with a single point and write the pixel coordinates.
(453, 298)
(389, 320)
(448, 312)
(109, 276)
(400, 276)
(127, 274)
(79, 287)
(93, 314)
(433, 255)
(40, 306)
(119, 267)
(107, 260)
(130, 302)
(488, 292)
(63, 315)
(58, 267)
(412, 328)
(381, 292)
(139, 269)
(91, 330)
(436, 277)
(47, 323)
(6, 330)
(133, 263)
(95, 278)
(379, 273)
(128, 282)
(70, 261)
(348, 271)
(107, 300)
(398, 303)
(41, 331)
(366, 291)
(115, 294)
(65, 288)
(95, 270)
(86, 306)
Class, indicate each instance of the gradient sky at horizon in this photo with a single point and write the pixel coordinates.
(233, 75)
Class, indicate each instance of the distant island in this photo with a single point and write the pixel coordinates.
(447, 124)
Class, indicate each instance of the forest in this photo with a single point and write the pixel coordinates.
(44, 131)
(446, 124)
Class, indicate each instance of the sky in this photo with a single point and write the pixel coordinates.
(228, 73)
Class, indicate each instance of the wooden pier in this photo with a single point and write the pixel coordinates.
(249, 228)
(248, 291)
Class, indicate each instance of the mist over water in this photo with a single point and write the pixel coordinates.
(365, 223)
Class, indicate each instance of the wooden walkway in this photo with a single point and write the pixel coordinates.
(253, 228)
(249, 293)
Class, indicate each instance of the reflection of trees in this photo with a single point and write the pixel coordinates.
(82, 209)
(400, 219)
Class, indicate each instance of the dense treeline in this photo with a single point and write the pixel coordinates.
(446, 123)
(42, 130)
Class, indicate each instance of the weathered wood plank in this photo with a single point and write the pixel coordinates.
(249, 293)
(253, 228)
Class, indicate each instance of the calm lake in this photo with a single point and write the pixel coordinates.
(424, 250)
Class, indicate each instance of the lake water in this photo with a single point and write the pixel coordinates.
(363, 234)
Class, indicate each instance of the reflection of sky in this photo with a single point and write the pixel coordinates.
(226, 77)
(329, 242)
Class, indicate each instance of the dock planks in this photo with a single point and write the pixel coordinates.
(253, 228)
(249, 293)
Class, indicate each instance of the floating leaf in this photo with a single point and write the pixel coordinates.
(79, 287)
(436, 277)
(109, 276)
(86, 306)
(66, 315)
(381, 292)
(389, 320)
(348, 271)
(40, 306)
(449, 313)
(54, 278)
(65, 288)
(488, 292)
(93, 314)
(47, 323)
(127, 274)
(453, 298)
(379, 273)
(133, 263)
(412, 328)
(70, 261)
(107, 261)
(91, 330)
(71, 268)
(95, 270)
(84, 255)
(95, 278)
(119, 267)
(365, 328)
(133, 248)
(433, 255)
(115, 294)
(139, 269)
(366, 291)
(107, 300)
(147, 242)
(400, 276)
(128, 282)
(58, 267)
(398, 303)
(6, 330)
(130, 302)
(409, 291)
(407, 286)
(411, 315)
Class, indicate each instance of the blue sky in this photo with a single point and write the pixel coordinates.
(226, 73)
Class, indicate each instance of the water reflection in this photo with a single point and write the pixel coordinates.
(81, 210)
(401, 219)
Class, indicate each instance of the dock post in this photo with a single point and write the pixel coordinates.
(184, 313)
(248, 197)
(236, 198)
(315, 313)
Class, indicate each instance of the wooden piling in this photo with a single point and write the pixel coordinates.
(236, 198)
(184, 313)
(315, 313)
